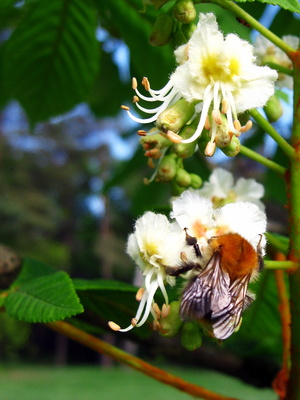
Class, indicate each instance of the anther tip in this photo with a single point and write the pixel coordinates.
(134, 83)
(125, 108)
(174, 137)
(114, 326)
(139, 294)
(165, 311)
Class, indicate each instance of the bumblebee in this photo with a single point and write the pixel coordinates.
(218, 293)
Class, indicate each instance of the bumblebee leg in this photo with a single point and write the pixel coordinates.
(260, 258)
(181, 269)
(192, 241)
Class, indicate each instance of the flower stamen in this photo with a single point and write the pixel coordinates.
(237, 125)
(225, 106)
(216, 114)
(114, 326)
(207, 123)
(246, 127)
(174, 137)
(139, 294)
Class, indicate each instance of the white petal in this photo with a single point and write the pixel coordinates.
(247, 189)
(193, 212)
(219, 185)
(181, 54)
(133, 251)
(243, 218)
(250, 94)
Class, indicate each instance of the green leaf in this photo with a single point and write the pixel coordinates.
(42, 294)
(290, 5)
(103, 284)
(108, 86)
(51, 59)
(260, 331)
(285, 23)
(124, 20)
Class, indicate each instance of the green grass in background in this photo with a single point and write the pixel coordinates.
(92, 383)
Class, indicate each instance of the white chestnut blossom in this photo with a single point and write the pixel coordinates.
(196, 213)
(218, 75)
(155, 244)
(222, 189)
(266, 51)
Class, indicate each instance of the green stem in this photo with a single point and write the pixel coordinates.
(239, 12)
(262, 160)
(102, 347)
(277, 243)
(294, 227)
(280, 68)
(271, 264)
(270, 130)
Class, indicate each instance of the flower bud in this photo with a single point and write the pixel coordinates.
(167, 169)
(179, 37)
(223, 136)
(184, 11)
(157, 141)
(233, 148)
(176, 189)
(170, 325)
(183, 178)
(191, 338)
(186, 150)
(175, 116)
(162, 30)
(203, 140)
(273, 109)
(196, 181)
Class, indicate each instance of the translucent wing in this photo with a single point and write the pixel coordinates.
(207, 294)
(228, 320)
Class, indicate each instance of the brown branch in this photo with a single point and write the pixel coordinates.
(134, 362)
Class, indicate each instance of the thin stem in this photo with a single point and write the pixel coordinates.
(280, 68)
(281, 379)
(278, 244)
(293, 187)
(239, 12)
(134, 362)
(273, 264)
(270, 130)
(262, 160)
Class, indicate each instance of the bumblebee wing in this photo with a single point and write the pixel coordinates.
(228, 320)
(206, 294)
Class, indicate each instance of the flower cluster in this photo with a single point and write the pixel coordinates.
(161, 247)
(215, 80)
(267, 52)
(221, 189)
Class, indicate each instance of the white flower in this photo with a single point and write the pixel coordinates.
(266, 51)
(217, 74)
(243, 218)
(220, 189)
(196, 213)
(155, 244)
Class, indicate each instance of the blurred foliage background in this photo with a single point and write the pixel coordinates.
(72, 170)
